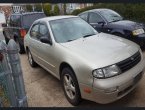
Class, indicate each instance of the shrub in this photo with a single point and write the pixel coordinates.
(56, 10)
(38, 7)
(29, 8)
(47, 9)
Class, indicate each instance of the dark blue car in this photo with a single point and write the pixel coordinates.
(108, 21)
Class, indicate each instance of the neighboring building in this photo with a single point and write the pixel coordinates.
(17, 8)
(22, 7)
(6, 9)
(70, 7)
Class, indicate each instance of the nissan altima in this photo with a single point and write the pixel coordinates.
(90, 65)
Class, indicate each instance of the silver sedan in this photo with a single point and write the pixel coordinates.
(91, 65)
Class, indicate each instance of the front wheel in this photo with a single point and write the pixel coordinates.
(70, 86)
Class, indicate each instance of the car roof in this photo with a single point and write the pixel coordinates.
(55, 18)
(96, 10)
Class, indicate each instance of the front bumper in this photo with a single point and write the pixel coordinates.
(111, 89)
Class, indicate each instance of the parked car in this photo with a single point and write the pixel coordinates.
(95, 66)
(109, 21)
(17, 26)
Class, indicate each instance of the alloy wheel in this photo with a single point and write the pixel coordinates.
(30, 58)
(69, 86)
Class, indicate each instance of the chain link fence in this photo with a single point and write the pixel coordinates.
(12, 89)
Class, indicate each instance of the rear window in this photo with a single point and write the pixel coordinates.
(15, 20)
(30, 18)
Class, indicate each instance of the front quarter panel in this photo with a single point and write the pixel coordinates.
(82, 69)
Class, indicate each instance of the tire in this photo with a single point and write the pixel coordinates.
(30, 59)
(70, 86)
(21, 47)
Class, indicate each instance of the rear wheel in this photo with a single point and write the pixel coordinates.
(30, 59)
(70, 86)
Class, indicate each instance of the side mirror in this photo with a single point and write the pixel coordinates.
(101, 23)
(4, 25)
(33, 33)
(45, 40)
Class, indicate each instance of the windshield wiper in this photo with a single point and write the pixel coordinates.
(70, 40)
(88, 35)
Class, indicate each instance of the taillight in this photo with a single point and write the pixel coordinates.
(23, 32)
(1, 56)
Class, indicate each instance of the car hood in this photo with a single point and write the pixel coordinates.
(126, 24)
(102, 49)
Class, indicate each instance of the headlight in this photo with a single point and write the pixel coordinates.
(137, 32)
(106, 72)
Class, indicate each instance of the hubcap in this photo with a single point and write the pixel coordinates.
(30, 58)
(69, 86)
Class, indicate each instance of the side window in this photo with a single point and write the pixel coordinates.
(95, 18)
(44, 31)
(15, 20)
(84, 16)
(34, 33)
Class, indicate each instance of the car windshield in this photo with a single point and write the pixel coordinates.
(110, 15)
(69, 29)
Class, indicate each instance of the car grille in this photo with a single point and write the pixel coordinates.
(129, 62)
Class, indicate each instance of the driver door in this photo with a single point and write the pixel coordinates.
(97, 22)
(46, 50)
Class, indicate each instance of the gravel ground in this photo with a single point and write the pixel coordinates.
(44, 90)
